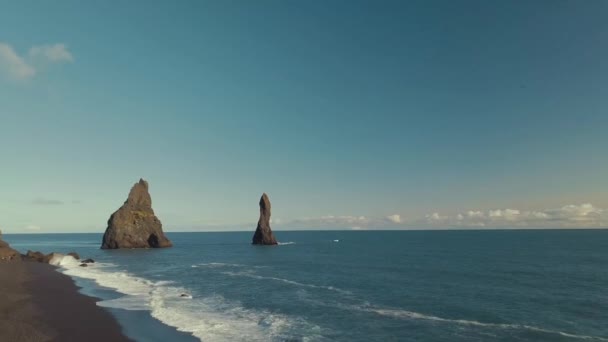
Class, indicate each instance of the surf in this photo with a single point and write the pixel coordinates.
(209, 318)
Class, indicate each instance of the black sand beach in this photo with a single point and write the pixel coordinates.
(37, 303)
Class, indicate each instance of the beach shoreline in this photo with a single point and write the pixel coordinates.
(38, 303)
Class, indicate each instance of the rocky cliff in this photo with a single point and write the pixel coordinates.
(134, 225)
(263, 234)
(7, 253)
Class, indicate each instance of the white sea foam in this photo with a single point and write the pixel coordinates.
(216, 319)
(127, 303)
(404, 314)
(286, 243)
(287, 281)
(207, 318)
(411, 315)
(224, 265)
(59, 258)
(220, 264)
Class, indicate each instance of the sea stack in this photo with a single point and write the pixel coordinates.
(134, 225)
(263, 234)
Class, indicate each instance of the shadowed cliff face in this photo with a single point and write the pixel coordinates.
(263, 234)
(134, 225)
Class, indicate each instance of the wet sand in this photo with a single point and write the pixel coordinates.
(37, 303)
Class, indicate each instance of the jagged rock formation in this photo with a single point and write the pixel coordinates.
(263, 234)
(36, 256)
(45, 258)
(74, 255)
(134, 225)
(7, 253)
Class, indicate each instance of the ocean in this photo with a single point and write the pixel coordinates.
(483, 285)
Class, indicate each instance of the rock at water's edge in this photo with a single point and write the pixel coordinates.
(7, 253)
(263, 234)
(51, 256)
(134, 225)
(47, 258)
(74, 255)
(34, 256)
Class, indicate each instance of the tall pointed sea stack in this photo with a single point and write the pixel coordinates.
(263, 234)
(134, 225)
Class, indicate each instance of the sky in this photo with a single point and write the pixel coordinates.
(349, 114)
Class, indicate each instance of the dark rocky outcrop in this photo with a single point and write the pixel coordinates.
(7, 253)
(263, 234)
(50, 256)
(74, 255)
(83, 265)
(46, 258)
(134, 225)
(39, 256)
(35, 256)
(88, 261)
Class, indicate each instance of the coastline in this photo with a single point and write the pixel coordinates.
(37, 303)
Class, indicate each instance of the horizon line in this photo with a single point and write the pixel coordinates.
(339, 230)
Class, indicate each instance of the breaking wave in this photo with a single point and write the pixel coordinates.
(224, 265)
(403, 314)
(287, 281)
(411, 315)
(211, 318)
(408, 315)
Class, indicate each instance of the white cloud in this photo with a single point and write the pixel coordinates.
(507, 214)
(54, 53)
(435, 217)
(568, 216)
(32, 227)
(13, 65)
(330, 221)
(511, 214)
(394, 218)
(46, 201)
(539, 215)
(26, 67)
(580, 212)
(475, 214)
(495, 213)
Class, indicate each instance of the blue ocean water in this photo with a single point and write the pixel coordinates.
(499, 285)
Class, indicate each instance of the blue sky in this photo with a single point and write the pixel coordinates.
(349, 114)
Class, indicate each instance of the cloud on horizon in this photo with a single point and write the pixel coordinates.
(394, 218)
(45, 201)
(330, 221)
(56, 53)
(26, 67)
(32, 228)
(569, 216)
